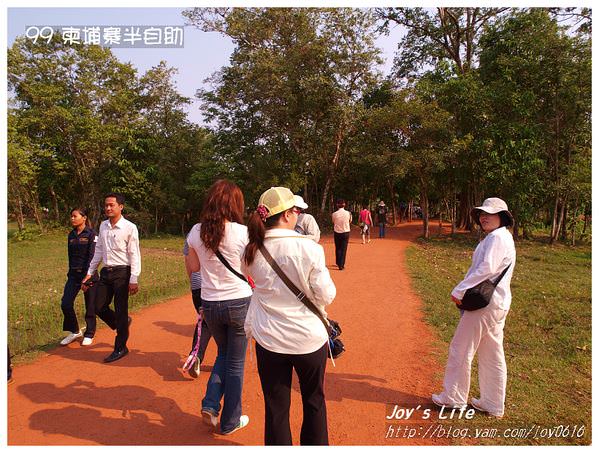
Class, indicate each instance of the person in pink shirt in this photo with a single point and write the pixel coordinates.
(365, 223)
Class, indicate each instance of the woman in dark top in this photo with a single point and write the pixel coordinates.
(81, 247)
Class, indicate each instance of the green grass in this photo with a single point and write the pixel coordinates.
(547, 333)
(37, 273)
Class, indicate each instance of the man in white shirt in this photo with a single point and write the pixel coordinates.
(341, 222)
(306, 223)
(117, 248)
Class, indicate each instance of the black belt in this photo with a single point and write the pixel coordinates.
(115, 268)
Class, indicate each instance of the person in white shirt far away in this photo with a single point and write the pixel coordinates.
(341, 229)
(288, 335)
(482, 330)
(306, 223)
(117, 247)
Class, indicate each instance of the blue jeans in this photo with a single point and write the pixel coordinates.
(225, 320)
(381, 230)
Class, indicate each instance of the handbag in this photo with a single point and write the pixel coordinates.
(480, 295)
(336, 346)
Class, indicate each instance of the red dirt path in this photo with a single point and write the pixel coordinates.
(69, 397)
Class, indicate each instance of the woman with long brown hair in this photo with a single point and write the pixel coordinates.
(216, 246)
(288, 335)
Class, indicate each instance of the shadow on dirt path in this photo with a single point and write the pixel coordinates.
(69, 397)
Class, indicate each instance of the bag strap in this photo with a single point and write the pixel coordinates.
(501, 276)
(228, 266)
(294, 289)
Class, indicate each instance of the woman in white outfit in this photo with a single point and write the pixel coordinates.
(482, 330)
(288, 335)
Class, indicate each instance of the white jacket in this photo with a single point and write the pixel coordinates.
(276, 318)
(491, 257)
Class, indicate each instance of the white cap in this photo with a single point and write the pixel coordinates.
(300, 203)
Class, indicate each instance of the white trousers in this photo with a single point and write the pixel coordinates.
(480, 330)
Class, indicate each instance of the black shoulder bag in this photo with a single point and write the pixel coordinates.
(223, 260)
(480, 295)
(333, 329)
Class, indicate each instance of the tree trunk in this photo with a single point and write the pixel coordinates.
(331, 172)
(554, 227)
(156, 219)
(38, 216)
(424, 206)
(586, 223)
(560, 219)
(55, 204)
(440, 220)
(20, 216)
(574, 223)
(393, 206)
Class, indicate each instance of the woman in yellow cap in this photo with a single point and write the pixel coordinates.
(288, 335)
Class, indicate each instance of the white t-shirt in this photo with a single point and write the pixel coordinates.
(218, 282)
(341, 221)
(276, 318)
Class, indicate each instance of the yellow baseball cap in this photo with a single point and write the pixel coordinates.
(277, 199)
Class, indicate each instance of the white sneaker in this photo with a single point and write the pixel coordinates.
(475, 403)
(87, 341)
(71, 337)
(209, 418)
(243, 422)
(439, 402)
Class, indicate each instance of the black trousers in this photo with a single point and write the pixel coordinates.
(196, 297)
(275, 372)
(341, 241)
(114, 283)
(67, 304)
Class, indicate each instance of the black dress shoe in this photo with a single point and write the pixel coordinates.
(117, 355)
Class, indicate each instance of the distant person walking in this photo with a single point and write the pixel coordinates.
(81, 244)
(306, 223)
(365, 223)
(118, 249)
(216, 247)
(201, 331)
(288, 335)
(381, 212)
(482, 330)
(341, 229)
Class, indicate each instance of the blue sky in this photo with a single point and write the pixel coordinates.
(203, 53)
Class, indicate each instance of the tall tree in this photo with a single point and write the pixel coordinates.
(284, 108)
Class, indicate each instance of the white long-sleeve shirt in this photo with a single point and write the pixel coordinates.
(276, 318)
(117, 245)
(492, 255)
(306, 225)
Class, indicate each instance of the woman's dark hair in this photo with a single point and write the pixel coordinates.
(224, 201)
(256, 230)
(340, 203)
(83, 212)
(505, 219)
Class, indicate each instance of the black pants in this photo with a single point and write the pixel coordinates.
(275, 376)
(114, 282)
(196, 297)
(67, 304)
(341, 241)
